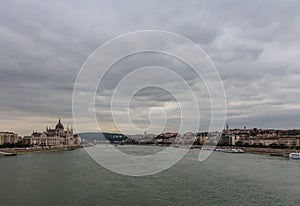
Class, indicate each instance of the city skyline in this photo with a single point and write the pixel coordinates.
(256, 54)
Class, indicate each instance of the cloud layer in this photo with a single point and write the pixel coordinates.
(255, 46)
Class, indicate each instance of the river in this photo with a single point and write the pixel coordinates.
(73, 178)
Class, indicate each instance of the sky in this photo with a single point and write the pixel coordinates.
(254, 46)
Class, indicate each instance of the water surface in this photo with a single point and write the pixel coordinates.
(73, 178)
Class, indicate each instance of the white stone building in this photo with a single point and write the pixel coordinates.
(55, 137)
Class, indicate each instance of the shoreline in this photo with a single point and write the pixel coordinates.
(262, 151)
(268, 151)
(30, 150)
(252, 150)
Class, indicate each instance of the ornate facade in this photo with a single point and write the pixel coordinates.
(55, 137)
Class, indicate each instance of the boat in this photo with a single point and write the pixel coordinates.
(295, 155)
(232, 150)
(276, 154)
(240, 151)
(7, 154)
(10, 154)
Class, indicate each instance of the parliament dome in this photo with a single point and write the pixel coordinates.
(59, 125)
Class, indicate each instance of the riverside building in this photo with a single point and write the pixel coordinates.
(55, 137)
(8, 138)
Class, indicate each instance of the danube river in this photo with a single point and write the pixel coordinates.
(73, 178)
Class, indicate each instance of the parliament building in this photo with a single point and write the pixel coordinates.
(57, 136)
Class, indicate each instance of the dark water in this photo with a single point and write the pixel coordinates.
(73, 178)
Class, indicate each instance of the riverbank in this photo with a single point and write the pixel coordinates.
(253, 150)
(28, 150)
(264, 151)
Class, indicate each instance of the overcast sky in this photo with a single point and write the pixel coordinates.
(255, 46)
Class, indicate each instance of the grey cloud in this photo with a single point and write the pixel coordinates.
(255, 46)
